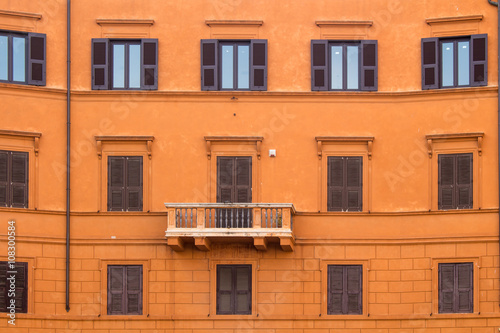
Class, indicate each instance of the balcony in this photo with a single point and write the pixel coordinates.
(206, 223)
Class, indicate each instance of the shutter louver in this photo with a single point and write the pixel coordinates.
(335, 183)
(335, 289)
(243, 290)
(354, 183)
(100, 59)
(369, 67)
(456, 288)
(21, 296)
(134, 289)
(479, 63)
(4, 178)
(149, 64)
(116, 183)
(234, 289)
(209, 64)
(446, 283)
(225, 179)
(430, 71)
(133, 187)
(319, 65)
(116, 283)
(258, 64)
(36, 59)
(354, 289)
(3, 286)
(465, 302)
(446, 186)
(19, 180)
(244, 179)
(464, 181)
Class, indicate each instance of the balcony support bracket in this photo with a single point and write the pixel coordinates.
(202, 243)
(176, 243)
(260, 243)
(287, 244)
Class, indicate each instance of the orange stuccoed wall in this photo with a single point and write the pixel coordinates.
(400, 236)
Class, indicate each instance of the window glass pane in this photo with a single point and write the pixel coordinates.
(19, 59)
(4, 57)
(227, 67)
(463, 63)
(447, 64)
(134, 66)
(336, 73)
(243, 66)
(352, 67)
(118, 66)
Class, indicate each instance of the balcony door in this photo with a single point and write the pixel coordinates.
(234, 185)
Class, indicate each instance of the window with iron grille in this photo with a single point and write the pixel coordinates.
(456, 288)
(234, 289)
(345, 289)
(124, 290)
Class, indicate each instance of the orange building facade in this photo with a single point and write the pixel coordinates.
(249, 166)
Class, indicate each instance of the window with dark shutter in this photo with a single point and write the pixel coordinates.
(13, 179)
(454, 62)
(234, 289)
(455, 181)
(20, 296)
(233, 65)
(345, 183)
(456, 288)
(124, 290)
(125, 189)
(36, 59)
(124, 64)
(345, 291)
(344, 65)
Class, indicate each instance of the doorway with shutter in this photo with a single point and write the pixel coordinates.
(234, 185)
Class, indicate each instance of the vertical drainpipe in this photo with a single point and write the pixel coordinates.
(68, 135)
(498, 70)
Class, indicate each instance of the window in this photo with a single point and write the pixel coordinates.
(233, 65)
(345, 289)
(124, 290)
(234, 289)
(20, 271)
(455, 62)
(345, 183)
(125, 183)
(349, 65)
(456, 288)
(13, 179)
(455, 181)
(22, 58)
(125, 64)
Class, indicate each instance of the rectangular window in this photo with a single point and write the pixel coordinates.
(233, 65)
(125, 64)
(13, 179)
(345, 291)
(125, 190)
(22, 58)
(454, 62)
(20, 272)
(124, 290)
(456, 288)
(349, 65)
(234, 289)
(455, 181)
(345, 183)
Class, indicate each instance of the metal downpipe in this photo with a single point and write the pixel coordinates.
(68, 136)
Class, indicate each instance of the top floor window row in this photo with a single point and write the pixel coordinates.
(336, 65)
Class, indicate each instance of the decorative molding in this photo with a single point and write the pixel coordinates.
(323, 24)
(244, 23)
(454, 26)
(19, 21)
(148, 140)
(477, 136)
(257, 140)
(455, 19)
(368, 140)
(234, 29)
(25, 135)
(104, 22)
(344, 29)
(125, 28)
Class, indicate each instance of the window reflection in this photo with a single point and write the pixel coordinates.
(118, 66)
(19, 59)
(4, 58)
(134, 66)
(227, 66)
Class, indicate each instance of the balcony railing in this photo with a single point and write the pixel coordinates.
(207, 222)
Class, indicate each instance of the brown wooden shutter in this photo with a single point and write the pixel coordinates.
(149, 64)
(133, 185)
(209, 64)
(100, 62)
(19, 180)
(464, 181)
(234, 289)
(133, 290)
(369, 67)
(430, 61)
(225, 179)
(335, 289)
(36, 59)
(479, 60)
(353, 192)
(116, 183)
(20, 271)
(456, 288)
(335, 186)
(116, 285)
(4, 178)
(319, 65)
(446, 284)
(258, 64)
(345, 291)
(243, 179)
(353, 294)
(446, 182)
(225, 300)
(3, 286)
(243, 289)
